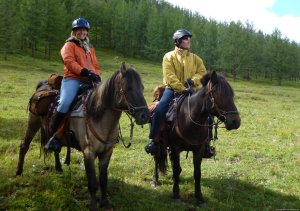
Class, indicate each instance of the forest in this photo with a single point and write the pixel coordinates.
(144, 29)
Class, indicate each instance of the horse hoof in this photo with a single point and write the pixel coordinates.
(201, 203)
(104, 203)
(19, 172)
(59, 171)
(154, 184)
(177, 201)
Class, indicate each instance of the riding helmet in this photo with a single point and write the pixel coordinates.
(180, 33)
(80, 23)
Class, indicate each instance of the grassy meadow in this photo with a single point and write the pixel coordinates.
(257, 167)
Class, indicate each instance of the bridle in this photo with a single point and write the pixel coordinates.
(130, 111)
(130, 108)
(210, 89)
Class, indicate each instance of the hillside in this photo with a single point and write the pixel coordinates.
(256, 168)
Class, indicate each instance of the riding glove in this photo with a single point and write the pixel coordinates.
(189, 82)
(90, 75)
(187, 91)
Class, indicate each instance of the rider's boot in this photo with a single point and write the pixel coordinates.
(53, 143)
(152, 147)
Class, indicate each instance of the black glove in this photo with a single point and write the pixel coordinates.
(90, 75)
(187, 91)
(189, 82)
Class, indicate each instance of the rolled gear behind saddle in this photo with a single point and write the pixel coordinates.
(45, 94)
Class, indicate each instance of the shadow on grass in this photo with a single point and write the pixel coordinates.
(237, 195)
(68, 191)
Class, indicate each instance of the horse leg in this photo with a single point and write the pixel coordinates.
(58, 167)
(197, 160)
(33, 125)
(89, 164)
(154, 182)
(175, 160)
(104, 159)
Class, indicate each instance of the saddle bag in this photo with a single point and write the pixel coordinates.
(41, 100)
(54, 81)
(45, 94)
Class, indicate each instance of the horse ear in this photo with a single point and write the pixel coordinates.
(214, 77)
(205, 79)
(123, 68)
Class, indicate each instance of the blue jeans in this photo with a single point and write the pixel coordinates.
(68, 92)
(160, 112)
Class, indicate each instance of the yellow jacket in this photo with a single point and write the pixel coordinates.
(179, 65)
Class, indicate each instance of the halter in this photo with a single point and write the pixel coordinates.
(130, 112)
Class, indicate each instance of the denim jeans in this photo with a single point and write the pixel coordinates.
(160, 112)
(68, 92)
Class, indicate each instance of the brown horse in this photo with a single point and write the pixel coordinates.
(189, 129)
(97, 132)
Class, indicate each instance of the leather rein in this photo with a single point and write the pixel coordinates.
(130, 111)
(210, 89)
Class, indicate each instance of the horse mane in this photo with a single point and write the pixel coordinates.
(223, 88)
(104, 95)
(132, 76)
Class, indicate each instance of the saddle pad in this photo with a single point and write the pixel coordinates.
(78, 112)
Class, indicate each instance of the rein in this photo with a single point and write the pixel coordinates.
(222, 113)
(131, 109)
(129, 112)
(89, 125)
(131, 132)
(209, 93)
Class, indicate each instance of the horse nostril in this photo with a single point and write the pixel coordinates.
(144, 117)
(236, 123)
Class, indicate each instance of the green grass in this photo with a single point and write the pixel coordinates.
(256, 168)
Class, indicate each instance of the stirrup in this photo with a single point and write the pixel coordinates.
(152, 147)
(53, 145)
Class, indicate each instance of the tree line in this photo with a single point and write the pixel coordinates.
(144, 29)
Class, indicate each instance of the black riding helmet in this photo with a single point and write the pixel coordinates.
(80, 23)
(179, 34)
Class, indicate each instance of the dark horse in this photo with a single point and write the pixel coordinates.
(97, 132)
(189, 129)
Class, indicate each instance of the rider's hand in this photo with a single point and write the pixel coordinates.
(189, 82)
(187, 91)
(90, 75)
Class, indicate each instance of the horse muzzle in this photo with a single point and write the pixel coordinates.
(232, 122)
(140, 114)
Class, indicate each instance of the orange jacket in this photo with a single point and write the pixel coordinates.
(75, 59)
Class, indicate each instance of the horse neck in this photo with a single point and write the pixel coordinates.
(195, 107)
(100, 104)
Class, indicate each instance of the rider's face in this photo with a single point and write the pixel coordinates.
(81, 33)
(185, 42)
